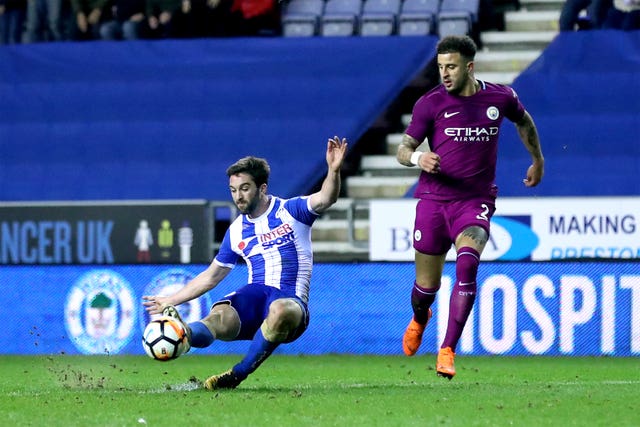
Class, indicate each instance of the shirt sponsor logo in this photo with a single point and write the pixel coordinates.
(277, 237)
(477, 134)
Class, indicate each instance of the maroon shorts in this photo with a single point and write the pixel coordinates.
(439, 222)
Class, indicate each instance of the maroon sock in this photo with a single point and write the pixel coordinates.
(463, 295)
(421, 300)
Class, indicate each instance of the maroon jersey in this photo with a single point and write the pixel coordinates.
(464, 131)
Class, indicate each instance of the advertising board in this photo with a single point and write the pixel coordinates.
(105, 233)
(537, 229)
(522, 308)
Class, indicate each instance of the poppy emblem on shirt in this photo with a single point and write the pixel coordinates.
(242, 245)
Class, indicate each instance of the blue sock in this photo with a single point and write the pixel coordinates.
(258, 352)
(201, 336)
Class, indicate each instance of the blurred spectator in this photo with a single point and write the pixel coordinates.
(571, 14)
(255, 18)
(88, 17)
(127, 21)
(12, 18)
(160, 15)
(44, 21)
(625, 15)
(202, 18)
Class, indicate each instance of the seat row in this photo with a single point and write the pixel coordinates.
(307, 18)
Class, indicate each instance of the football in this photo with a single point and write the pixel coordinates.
(164, 339)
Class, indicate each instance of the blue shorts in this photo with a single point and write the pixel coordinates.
(252, 302)
(438, 222)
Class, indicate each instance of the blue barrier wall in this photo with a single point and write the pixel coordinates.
(164, 119)
(584, 95)
(143, 120)
(522, 309)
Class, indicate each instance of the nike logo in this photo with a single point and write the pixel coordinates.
(466, 283)
(447, 115)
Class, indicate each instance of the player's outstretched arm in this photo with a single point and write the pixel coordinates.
(203, 282)
(330, 190)
(529, 135)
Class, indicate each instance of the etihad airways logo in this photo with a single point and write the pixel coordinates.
(477, 134)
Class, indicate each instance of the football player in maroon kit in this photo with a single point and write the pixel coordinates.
(460, 121)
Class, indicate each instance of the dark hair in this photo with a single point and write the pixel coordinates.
(464, 45)
(255, 167)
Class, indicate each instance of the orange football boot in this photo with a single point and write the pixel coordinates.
(413, 336)
(445, 367)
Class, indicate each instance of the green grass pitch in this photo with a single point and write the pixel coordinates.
(328, 390)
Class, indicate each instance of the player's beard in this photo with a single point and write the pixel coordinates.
(248, 205)
(458, 83)
(456, 86)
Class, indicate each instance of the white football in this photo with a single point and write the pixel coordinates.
(164, 339)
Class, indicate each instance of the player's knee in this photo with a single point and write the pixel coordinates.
(285, 311)
(224, 322)
(285, 316)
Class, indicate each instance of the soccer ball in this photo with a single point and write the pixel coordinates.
(164, 339)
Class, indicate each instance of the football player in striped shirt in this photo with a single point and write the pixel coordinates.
(273, 237)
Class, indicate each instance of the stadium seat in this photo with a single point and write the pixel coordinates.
(454, 23)
(418, 17)
(470, 6)
(341, 17)
(301, 18)
(379, 17)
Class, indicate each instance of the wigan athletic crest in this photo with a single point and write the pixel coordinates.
(99, 312)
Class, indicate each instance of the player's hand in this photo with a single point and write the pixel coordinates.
(534, 175)
(154, 304)
(336, 152)
(429, 162)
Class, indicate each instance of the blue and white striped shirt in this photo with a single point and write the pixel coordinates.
(276, 246)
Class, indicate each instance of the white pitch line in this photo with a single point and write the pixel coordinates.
(192, 386)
